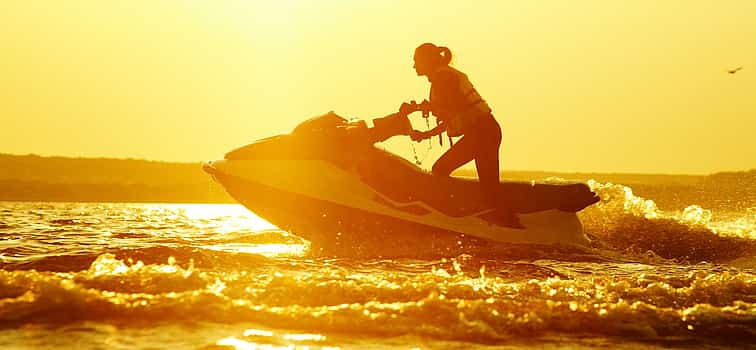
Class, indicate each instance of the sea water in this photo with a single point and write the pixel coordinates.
(189, 276)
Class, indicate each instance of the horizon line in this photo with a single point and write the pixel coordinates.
(466, 167)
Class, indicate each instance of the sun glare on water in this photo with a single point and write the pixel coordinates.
(261, 339)
(268, 250)
(227, 222)
(231, 217)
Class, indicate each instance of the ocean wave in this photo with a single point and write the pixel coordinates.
(200, 257)
(444, 302)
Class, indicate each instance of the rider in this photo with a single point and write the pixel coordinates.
(460, 111)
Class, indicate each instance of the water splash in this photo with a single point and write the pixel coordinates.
(636, 226)
(620, 199)
(696, 216)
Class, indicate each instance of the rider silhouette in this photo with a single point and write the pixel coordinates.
(461, 111)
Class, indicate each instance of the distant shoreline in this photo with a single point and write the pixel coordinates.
(62, 179)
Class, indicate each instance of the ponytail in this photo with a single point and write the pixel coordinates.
(445, 55)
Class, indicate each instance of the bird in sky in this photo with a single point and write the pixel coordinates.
(733, 71)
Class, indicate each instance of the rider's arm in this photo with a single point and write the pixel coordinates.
(417, 135)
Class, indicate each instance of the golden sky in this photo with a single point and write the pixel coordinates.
(578, 85)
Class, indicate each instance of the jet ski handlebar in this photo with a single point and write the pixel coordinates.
(413, 106)
(425, 107)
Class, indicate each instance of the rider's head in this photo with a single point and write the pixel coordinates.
(429, 58)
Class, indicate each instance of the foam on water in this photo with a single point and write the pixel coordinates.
(635, 225)
(184, 276)
(462, 299)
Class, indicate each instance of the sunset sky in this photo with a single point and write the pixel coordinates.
(582, 85)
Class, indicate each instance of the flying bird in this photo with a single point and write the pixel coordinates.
(733, 71)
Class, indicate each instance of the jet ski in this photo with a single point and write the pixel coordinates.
(328, 183)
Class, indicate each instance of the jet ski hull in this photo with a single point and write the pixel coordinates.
(341, 230)
(338, 213)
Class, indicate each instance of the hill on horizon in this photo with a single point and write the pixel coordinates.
(57, 178)
(38, 178)
(33, 167)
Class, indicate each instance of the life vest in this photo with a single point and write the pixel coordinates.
(467, 113)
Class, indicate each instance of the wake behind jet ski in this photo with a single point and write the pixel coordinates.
(327, 182)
